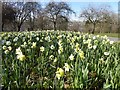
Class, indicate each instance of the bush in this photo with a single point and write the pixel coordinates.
(58, 59)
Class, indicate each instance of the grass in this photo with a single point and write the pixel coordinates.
(108, 34)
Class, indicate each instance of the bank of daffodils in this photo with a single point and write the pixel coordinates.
(59, 59)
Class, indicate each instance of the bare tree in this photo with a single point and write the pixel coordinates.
(91, 15)
(100, 16)
(35, 9)
(57, 10)
(25, 11)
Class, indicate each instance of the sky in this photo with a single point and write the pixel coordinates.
(79, 5)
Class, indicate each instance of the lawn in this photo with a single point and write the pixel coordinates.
(108, 34)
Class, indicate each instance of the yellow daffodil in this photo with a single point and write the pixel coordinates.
(59, 73)
(81, 54)
(21, 57)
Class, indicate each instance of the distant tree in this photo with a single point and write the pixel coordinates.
(91, 15)
(56, 11)
(35, 9)
(75, 26)
(8, 14)
(100, 16)
(26, 11)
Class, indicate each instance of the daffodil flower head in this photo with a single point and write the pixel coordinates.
(81, 54)
(4, 47)
(21, 57)
(59, 73)
(42, 49)
(6, 51)
(67, 67)
(8, 43)
(9, 48)
(33, 45)
(18, 51)
(106, 53)
(71, 57)
(52, 47)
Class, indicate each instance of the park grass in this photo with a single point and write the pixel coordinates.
(116, 35)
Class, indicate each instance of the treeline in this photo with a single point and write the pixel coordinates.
(30, 16)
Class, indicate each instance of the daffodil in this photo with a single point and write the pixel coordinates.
(52, 47)
(81, 54)
(37, 38)
(106, 53)
(59, 73)
(33, 45)
(18, 51)
(111, 42)
(21, 57)
(9, 48)
(8, 43)
(89, 46)
(55, 60)
(6, 51)
(67, 67)
(60, 50)
(101, 61)
(51, 57)
(4, 47)
(71, 57)
(94, 47)
(42, 49)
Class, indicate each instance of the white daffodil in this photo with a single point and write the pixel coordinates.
(106, 53)
(71, 57)
(33, 45)
(51, 57)
(15, 39)
(60, 50)
(94, 47)
(47, 38)
(8, 43)
(4, 47)
(18, 51)
(111, 42)
(94, 37)
(55, 60)
(67, 67)
(101, 61)
(6, 51)
(9, 48)
(60, 43)
(37, 38)
(42, 49)
(89, 46)
(52, 47)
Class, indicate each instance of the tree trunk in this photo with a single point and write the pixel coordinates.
(19, 27)
(54, 25)
(2, 26)
(93, 31)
